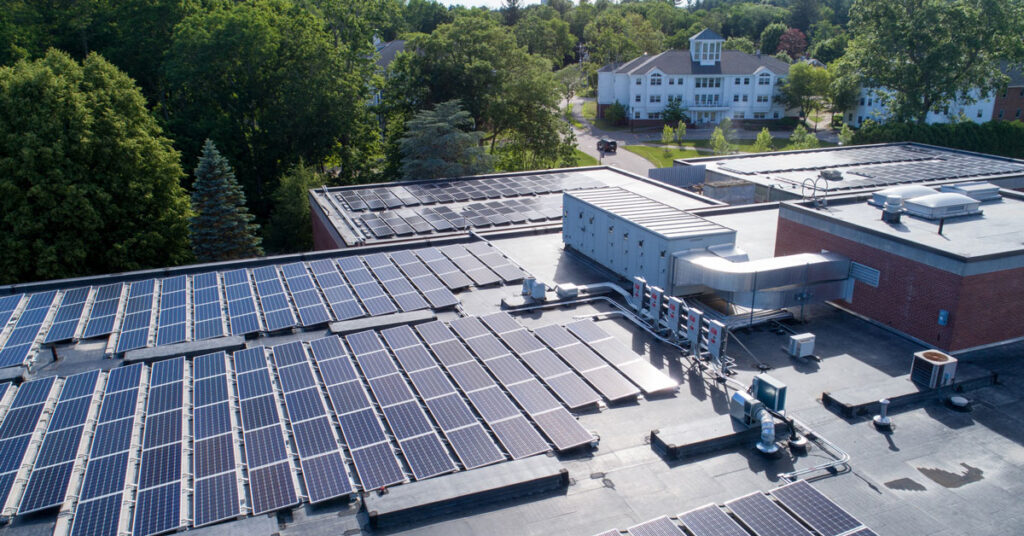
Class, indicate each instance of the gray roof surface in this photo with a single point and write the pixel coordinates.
(708, 34)
(658, 217)
(679, 62)
(388, 51)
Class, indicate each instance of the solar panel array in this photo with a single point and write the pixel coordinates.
(399, 288)
(51, 471)
(271, 485)
(952, 167)
(612, 385)
(366, 287)
(323, 468)
(312, 310)
(276, 310)
(17, 429)
(172, 320)
(802, 508)
(23, 336)
(207, 310)
(159, 491)
(375, 461)
(8, 304)
(649, 379)
(566, 385)
(853, 156)
(471, 442)
(104, 310)
(136, 325)
(244, 318)
(101, 495)
(214, 465)
(420, 444)
(65, 323)
(424, 280)
(486, 396)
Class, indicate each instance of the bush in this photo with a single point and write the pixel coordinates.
(1003, 138)
(616, 113)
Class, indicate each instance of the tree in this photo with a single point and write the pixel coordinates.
(222, 227)
(88, 182)
(804, 87)
(846, 135)
(674, 111)
(613, 37)
(719, 145)
(510, 9)
(442, 143)
(770, 37)
(422, 16)
(829, 50)
(801, 139)
(793, 43)
(667, 135)
(543, 33)
(615, 113)
(290, 228)
(680, 132)
(274, 85)
(726, 127)
(804, 13)
(742, 44)
(844, 86)
(928, 54)
(764, 142)
(571, 79)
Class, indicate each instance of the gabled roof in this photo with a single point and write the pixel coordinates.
(673, 62)
(708, 33)
(388, 51)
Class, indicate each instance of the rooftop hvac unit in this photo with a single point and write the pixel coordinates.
(801, 345)
(932, 369)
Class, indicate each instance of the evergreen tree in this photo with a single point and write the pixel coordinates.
(222, 227)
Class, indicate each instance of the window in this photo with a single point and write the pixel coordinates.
(745, 99)
(979, 112)
(1022, 92)
(851, 117)
(762, 98)
(637, 98)
(639, 81)
(1018, 113)
(655, 98)
(1000, 114)
(636, 115)
(759, 115)
(735, 98)
(737, 81)
(860, 118)
(862, 101)
(707, 82)
(775, 115)
(764, 79)
(671, 81)
(655, 79)
(869, 102)
(738, 115)
(680, 82)
(746, 81)
(654, 115)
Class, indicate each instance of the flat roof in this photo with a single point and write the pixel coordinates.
(662, 219)
(401, 211)
(862, 167)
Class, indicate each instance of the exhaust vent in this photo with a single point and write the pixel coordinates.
(942, 205)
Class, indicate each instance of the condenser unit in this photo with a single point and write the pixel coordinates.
(932, 368)
(801, 345)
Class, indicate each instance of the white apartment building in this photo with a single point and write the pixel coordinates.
(869, 106)
(710, 83)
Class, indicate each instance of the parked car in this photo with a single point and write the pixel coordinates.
(608, 146)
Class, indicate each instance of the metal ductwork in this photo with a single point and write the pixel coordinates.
(765, 283)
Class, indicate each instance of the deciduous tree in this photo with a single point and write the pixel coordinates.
(793, 43)
(719, 145)
(802, 139)
(770, 37)
(764, 141)
(290, 228)
(88, 182)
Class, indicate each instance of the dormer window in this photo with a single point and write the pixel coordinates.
(655, 79)
(764, 79)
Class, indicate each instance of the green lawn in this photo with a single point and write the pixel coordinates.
(590, 110)
(590, 113)
(584, 159)
(657, 154)
(571, 118)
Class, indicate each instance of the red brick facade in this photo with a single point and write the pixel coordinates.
(1010, 104)
(983, 309)
(322, 237)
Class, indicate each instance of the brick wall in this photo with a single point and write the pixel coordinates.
(322, 237)
(983, 309)
(1012, 105)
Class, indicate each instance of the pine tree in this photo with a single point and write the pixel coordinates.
(222, 227)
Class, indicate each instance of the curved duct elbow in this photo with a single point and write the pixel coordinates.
(767, 443)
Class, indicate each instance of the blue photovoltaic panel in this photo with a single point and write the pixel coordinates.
(122, 378)
(815, 509)
(16, 430)
(22, 338)
(662, 526)
(276, 309)
(254, 383)
(8, 304)
(289, 354)
(65, 323)
(135, 328)
(311, 307)
(271, 488)
(208, 365)
(98, 517)
(765, 517)
(207, 315)
(400, 289)
(366, 287)
(158, 503)
(339, 296)
(157, 510)
(241, 303)
(171, 325)
(250, 359)
(211, 420)
(710, 520)
(215, 499)
(104, 311)
(424, 280)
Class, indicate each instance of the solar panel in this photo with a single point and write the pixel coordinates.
(207, 313)
(815, 509)
(171, 325)
(480, 274)
(648, 378)
(764, 517)
(241, 303)
(400, 289)
(158, 502)
(104, 311)
(65, 322)
(377, 466)
(496, 261)
(215, 499)
(138, 314)
(426, 455)
(662, 526)
(595, 370)
(47, 489)
(446, 271)
(312, 310)
(213, 461)
(366, 287)
(22, 339)
(8, 304)
(710, 520)
(17, 429)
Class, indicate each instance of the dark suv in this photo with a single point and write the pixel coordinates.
(608, 146)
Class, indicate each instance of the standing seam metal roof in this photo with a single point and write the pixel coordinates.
(665, 220)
